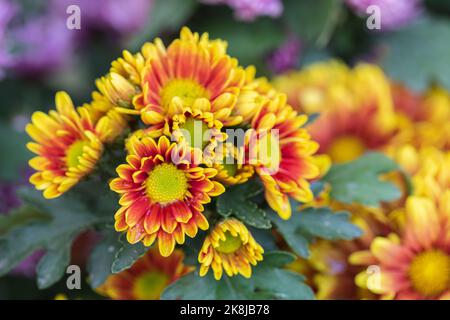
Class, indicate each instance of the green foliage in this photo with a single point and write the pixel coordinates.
(165, 15)
(237, 201)
(15, 155)
(307, 225)
(18, 217)
(358, 181)
(269, 281)
(69, 215)
(127, 255)
(421, 63)
(313, 21)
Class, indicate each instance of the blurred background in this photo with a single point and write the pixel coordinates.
(39, 55)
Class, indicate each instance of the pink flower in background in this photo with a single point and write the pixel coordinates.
(120, 16)
(286, 56)
(7, 12)
(248, 10)
(394, 13)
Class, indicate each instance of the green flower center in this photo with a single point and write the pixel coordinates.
(166, 183)
(74, 153)
(194, 132)
(230, 245)
(150, 285)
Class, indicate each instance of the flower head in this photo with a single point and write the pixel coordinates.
(147, 278)
(282, 153)
(415, 262)
(229, 247)
(162, 193)
(355, 107)
(68, 144)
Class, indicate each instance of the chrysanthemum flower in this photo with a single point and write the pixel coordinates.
(355, 107)
(147, 278)
(414, 264)
(162, 193)
(282, 153)
(229, 247)
(231, 169)
(68, 144)
(191, 68)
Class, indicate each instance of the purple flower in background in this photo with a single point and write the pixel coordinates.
(394, 13)
(7, 12)
(27, 268)
(285, 57)
(123, 17)
(249, 10)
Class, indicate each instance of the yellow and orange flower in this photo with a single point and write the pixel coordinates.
(230, 247)
(147, 278)
(162, 193)
(414, 263)
(190, 68)
(68, 144)
(230, 166)
(355, 106)
(282, 153)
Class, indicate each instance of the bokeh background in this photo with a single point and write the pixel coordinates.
(39, 56)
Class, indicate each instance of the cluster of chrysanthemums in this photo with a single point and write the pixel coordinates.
(405, 250)
(159, 103)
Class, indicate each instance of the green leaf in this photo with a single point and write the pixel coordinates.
(69, 215)
(236, 201)
(53, 265)
(102, 257)
(305, 226)
(15, 154)
(18, 217)
(427, 47)
(358, 181)
(248, 42)
(268, 281)
(127, 255)
(313, 21)
(165, 15)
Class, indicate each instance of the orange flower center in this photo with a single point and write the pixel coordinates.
(194, 131)
(150, 285)
(346, 148)
(74, 153)
(430, 272)
(185, 89)
(166, 183)
(231, 243)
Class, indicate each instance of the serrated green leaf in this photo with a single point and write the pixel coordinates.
(358, 181)
(102, 257)
(303, 227)
(236, 201)
(423, 63)
(127, 255)
(19, 217)
(267, 282)
(69, 215)
(53, 264)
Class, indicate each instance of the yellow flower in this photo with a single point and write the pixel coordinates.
(68, 144)
(230, 166)
(229, 247)
(355, 105)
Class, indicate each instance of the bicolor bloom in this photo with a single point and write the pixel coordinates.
(68, 144)
(193, 73)
(147, 278)
(282, 153)
(230, 247)
(355, 107)
(415, 263)
(162, 193)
